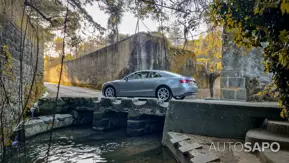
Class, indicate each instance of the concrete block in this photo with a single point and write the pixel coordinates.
(152, 107)
(115, 114)
(208, 117)
(188, 147)
(279, 127)
(282, 156)
(177, 139)
(156, 128)
(259, 135)
(134, 116)
(228, 94)
(127, 104)
(44, 124)
(98, 128)
(241, 94)
(147, 129)
(83, 117)
(237, 82)
(45, 106)
(107, 102)
(135, 132)
(173, 134)
(98, 115)
(136, 124)
(205, 158)
(117, 123)
(102, 123)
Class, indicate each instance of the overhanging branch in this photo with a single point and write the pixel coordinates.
(77, 4)
(26, 3)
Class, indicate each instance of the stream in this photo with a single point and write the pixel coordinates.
(80, 144)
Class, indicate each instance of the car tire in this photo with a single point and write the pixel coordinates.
(109, 91)
(180, 98)
(164, 93)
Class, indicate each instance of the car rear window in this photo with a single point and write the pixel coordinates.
(171, 74)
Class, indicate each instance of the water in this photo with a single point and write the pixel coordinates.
(83, 145)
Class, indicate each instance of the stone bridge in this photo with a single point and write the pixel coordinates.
(145, 116)
(139, 116)
(128, 105)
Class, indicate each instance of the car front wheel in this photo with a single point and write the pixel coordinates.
(109, 92)
(164, 93)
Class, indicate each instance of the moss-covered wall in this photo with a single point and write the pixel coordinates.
(11, 98)
(138, 52)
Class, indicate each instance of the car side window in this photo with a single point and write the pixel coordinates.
(154, 75)
(138, 75)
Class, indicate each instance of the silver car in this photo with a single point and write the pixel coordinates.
(151, 83)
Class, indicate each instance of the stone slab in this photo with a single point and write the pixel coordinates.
(226, 156)
(259, 135)
(177, 139)
(188, 147)
(268, 156)
(135, 132)
(280, 127)
(44, 123)
(204, 158)
(173, 134)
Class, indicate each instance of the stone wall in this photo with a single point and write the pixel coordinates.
(240, 68)
(138, 52)
(11, 48)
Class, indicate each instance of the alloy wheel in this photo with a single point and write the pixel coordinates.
(163, 93)
(109, 92)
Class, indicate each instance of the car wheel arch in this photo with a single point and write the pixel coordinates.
(163, 85)
(105, 87)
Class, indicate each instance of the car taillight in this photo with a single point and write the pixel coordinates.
(185, 81)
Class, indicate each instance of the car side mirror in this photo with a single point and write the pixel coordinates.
(126, 79)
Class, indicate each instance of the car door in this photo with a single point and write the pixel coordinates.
(151, 83)
(145, 85)
(132, 86)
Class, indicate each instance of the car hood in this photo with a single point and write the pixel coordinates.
(113, 81)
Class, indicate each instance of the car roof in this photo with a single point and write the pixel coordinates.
(150, 71)
(161, 72)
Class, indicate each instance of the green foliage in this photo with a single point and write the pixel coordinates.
(209, 45)
(115, 9)
(69, 57)
(7, 66)
(36, 92)
(257, 21)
